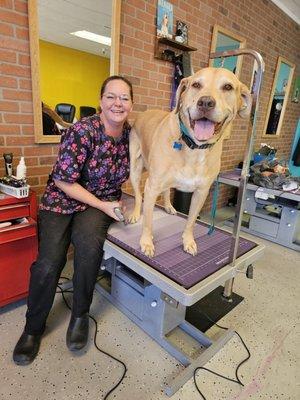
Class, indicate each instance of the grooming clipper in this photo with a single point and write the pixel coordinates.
(118, 213)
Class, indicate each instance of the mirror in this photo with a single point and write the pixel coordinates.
(279, 97)
(49, 44)
(223, 40)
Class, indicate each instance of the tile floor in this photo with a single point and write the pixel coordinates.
(267, 319)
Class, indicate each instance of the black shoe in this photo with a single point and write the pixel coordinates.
(78, 331)
(26, 349)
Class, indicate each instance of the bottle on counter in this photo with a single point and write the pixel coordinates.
(21, 169)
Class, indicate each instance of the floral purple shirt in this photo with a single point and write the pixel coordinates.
(89, 157)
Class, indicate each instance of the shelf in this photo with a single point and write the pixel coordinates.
(175, 44)
(171, 44)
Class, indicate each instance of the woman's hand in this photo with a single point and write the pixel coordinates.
(109, 208)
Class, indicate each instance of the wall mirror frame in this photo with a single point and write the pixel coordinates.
(35, 63)
(222, 40)
(279, 97)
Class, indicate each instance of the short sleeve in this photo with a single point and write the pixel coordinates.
(73, 151)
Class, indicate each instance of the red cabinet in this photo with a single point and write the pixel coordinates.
(18, 246)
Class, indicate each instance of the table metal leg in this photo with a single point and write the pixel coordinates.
(228, 288)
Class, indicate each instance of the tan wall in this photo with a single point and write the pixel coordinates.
(265, 27)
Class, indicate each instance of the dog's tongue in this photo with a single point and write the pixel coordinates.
(204, 129)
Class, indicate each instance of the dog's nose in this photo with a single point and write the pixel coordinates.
(206, 103)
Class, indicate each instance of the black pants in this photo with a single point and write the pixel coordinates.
(86, 230)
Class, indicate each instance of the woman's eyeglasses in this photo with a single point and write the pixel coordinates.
(111, 98)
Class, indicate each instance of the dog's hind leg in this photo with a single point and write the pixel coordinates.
(136, 168)
(167, 202)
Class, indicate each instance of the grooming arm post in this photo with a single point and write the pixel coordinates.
(247, 157)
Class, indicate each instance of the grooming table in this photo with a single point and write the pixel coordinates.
(154, 293)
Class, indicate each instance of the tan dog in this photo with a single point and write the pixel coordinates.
(206, 103)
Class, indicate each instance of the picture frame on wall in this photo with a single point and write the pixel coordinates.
(225, 40)
(164, 25)
(181, 33)
(279, 97)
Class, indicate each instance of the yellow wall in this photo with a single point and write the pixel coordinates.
(71, 76)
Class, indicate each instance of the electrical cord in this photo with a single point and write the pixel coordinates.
(62, 292)
(237, 380)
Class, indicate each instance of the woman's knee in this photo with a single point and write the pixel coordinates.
(45, 268)
(88, 243)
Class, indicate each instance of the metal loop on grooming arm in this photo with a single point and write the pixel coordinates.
(248, 153)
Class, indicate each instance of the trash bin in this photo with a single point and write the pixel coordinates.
(182, 201)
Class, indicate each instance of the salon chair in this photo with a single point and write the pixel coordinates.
(86, 111)
(66, 111)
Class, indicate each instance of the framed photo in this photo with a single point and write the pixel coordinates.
(164, 26)
(181, 33)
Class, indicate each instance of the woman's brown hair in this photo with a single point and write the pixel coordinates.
(114, 78)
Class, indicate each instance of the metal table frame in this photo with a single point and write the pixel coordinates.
(158, 305)
(248, 152)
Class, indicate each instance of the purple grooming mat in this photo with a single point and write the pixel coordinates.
(170, 259)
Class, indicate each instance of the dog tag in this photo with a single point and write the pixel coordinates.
(177, 146)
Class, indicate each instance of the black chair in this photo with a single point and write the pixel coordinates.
(66, 111)
(49, 125)
(86, 111)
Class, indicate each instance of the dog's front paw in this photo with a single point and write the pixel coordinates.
(190, 246)
(170, 210)
(133, 218)
(147, 246)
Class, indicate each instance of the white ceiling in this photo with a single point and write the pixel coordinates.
(57, 18)
(290, 7)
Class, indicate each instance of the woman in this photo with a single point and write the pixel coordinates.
(77, 207)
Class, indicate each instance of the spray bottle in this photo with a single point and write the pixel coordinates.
(21, 169)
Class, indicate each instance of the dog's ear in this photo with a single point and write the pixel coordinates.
(181, 88)
(245, 102)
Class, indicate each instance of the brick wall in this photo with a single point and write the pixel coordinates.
(265, 27)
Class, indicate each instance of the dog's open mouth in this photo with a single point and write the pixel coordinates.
(204, 129)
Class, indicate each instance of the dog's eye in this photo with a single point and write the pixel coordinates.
(227, 87)
(196, 85)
